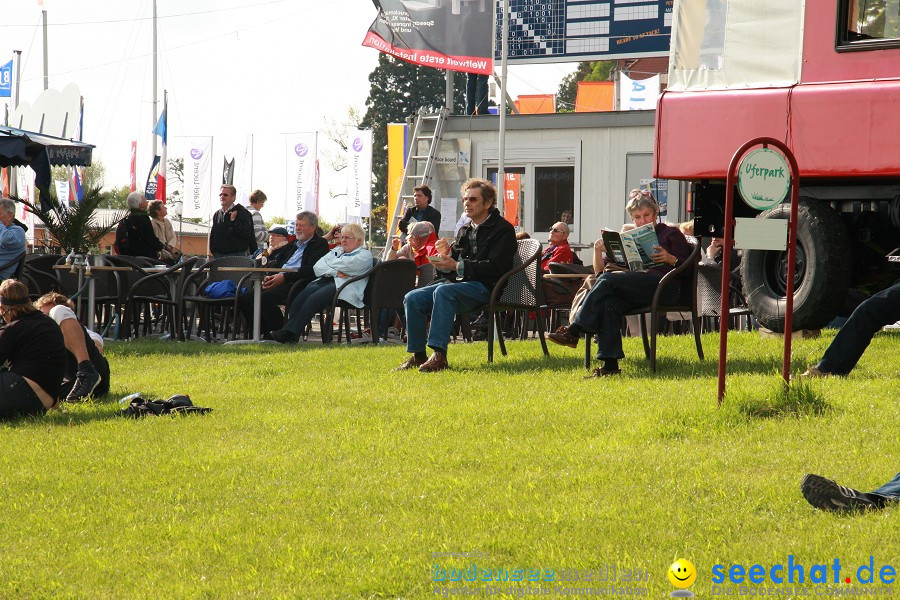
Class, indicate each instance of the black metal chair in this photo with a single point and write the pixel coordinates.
(192, 294)
(520, 289)
(388, 283)
(19, 262)
(161, 289)
(686, 303)
(709, 292)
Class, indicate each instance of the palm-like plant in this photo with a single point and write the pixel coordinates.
(76, 228)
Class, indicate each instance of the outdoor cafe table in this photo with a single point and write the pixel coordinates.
(256, 276)
(91, 290)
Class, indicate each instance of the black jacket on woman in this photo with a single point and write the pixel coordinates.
(142, 241)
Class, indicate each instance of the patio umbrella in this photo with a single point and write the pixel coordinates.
(20, 148)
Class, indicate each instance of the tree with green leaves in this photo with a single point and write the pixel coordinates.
(398, 89)
(598, 70)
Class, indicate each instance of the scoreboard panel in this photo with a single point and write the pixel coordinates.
(578, 30)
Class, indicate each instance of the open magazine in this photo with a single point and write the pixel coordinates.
(632, 249)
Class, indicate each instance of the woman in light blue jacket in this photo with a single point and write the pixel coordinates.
(332, 271)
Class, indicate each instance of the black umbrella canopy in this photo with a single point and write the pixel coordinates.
(20, 148)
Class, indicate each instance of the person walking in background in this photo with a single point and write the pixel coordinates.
(257, 201)
(421, 210)
(854, 337)
(164, 232)
(140, 239)
(232, 227)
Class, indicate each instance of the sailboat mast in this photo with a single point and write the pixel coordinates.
(155, 114)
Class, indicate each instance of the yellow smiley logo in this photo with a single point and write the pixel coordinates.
(682, 573)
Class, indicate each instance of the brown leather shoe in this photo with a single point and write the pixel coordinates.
(437, 362)
(563, 337)
(603, 372)
(411, 363)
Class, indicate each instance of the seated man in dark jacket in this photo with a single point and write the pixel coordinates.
(466, 271)
(307, 250)
(140, 240)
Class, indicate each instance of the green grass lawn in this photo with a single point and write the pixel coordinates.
(322, 474)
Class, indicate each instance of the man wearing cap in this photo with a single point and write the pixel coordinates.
(279, 250)
(419, 246)
(302, 255)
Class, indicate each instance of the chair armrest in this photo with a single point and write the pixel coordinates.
(691, 263)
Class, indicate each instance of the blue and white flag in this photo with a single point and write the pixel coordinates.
(6, 80)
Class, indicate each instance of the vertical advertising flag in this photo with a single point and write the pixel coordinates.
(198, 178)
(4, 181)
(25, 187)
(6, 80)
(152, 180)
(397, 149)
(359, 173)
(62, 192)
(227, 171)
(133, 185)
(160, 130)
(455, 36)
(300, 192)
(638, 94)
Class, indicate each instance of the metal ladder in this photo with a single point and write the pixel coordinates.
(429, 128)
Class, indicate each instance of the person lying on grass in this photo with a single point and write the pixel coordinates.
(87, 370)
(618, 290)
(32, 345)
(350, 259)
(826, 494)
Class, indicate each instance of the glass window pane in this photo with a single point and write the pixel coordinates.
(554, 194)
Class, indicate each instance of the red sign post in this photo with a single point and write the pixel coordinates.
(729, 243)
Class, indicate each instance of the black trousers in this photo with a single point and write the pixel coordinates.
(270, 315)
(17, 399)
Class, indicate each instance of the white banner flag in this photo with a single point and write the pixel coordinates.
(25, 190)
(638, 94)
(359, 173)
(62, 192)
(300, 169)
(198, 178)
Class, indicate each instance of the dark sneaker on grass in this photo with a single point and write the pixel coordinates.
(826, 494)
(437, 362)
(86, 381)
(411, 363)
(283, 336)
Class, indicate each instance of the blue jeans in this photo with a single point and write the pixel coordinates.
(891, 489)
(853, 338)
(440, 302)
(612, 296)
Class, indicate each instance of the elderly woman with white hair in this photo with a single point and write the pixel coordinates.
(618, 290)
(332, 271)
(139, 239)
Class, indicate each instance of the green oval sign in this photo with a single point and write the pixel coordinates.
(764, 179)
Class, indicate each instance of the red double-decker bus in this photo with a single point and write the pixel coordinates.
(823, 76)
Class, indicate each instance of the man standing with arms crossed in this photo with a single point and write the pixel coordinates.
(232, 227)
(466, 273)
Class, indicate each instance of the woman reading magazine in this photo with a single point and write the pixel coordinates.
(619, 290)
